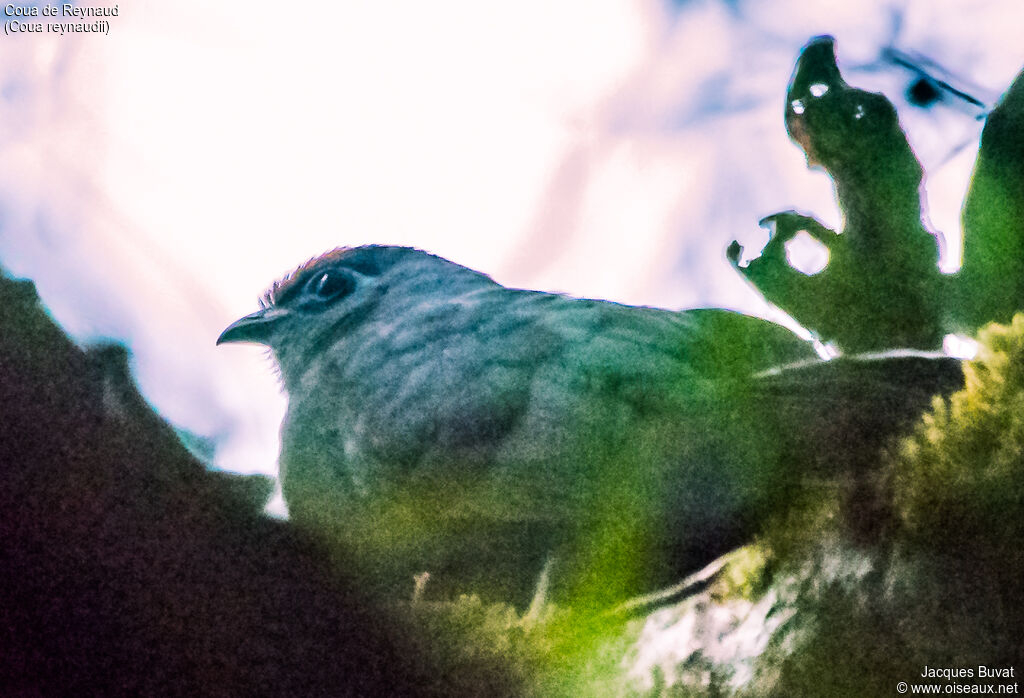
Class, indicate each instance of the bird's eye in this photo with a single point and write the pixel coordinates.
(329, 285)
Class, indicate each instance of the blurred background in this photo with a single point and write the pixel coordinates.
(154, 181)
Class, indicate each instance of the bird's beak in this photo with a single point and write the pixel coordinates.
(255, 327)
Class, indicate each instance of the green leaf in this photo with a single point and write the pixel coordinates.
(881, 286)
(990, 284)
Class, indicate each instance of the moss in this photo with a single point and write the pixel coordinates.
(958, 480)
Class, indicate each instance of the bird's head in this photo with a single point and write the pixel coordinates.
(332, 295)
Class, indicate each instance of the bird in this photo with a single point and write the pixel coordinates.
(439, 421)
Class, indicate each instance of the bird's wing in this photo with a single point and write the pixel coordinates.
(730, 344)
(839, 413)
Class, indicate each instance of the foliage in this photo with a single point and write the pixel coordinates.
(881, 286)
(990, 284)
(960, 476)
